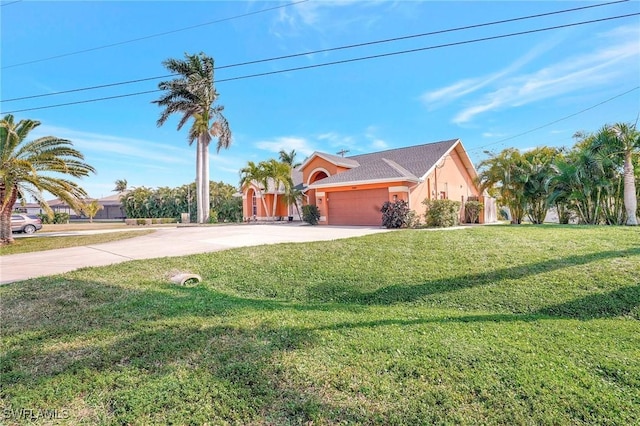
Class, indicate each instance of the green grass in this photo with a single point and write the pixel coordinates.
(31, 244)
(491, 325)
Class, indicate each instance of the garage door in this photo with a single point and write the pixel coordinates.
(357, 207)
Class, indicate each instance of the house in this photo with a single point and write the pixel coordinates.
(111, 208)
(351, 190)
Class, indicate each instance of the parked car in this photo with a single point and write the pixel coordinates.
(25, 223)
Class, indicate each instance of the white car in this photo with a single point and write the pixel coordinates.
(25, 223)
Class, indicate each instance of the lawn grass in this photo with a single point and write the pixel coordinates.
(31, 244)
(491, 325)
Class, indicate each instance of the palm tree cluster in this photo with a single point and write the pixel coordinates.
(273, 176)
(595, 182)
(193, 95)
(31, 168)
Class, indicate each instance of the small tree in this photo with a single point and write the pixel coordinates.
(311, 214)
(472, 211)
(91, 209)
(395, 214)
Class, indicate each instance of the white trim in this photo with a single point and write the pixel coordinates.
(398, 189)
(322, 219)
(313, 172)
(319, 194)
(361, 182)
(323, 156)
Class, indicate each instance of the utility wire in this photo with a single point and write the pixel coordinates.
(344, 61)
(323, 50)
(12, 2)
(217, 21)
(555, 121)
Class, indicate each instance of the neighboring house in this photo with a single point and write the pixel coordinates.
(351, 190)
(112, 208)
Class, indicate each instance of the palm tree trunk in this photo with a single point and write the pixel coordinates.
(206, 195)
(6, 236)
(198, 181)
(630, 201)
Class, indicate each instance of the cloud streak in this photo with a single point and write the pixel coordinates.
(617, 56)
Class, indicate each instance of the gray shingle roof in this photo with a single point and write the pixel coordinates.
(410, 163)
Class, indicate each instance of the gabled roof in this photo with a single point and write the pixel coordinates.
(401, 164)
(347, 162)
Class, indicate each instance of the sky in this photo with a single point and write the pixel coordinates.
(509, 90)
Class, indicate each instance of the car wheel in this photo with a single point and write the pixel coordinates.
(29, 229)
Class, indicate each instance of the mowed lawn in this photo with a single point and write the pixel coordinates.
(510, 325)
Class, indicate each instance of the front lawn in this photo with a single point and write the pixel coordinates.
(490, 325)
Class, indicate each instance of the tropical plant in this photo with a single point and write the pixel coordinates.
(289, 158)
(311, 214)
(121, 185)
(395, 214)
(33, 167)
(625, 141)
(255, 175)
(536, 166)
(193, 95)
(504, 176)
(279, 174)
(472, 209)
(91, 209)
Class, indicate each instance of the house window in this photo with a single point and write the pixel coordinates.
(254, 205)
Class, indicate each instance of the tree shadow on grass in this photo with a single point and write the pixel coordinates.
(408, 293)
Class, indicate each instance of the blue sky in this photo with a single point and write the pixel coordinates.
(485, 93)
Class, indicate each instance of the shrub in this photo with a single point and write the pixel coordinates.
(58, 217)
(311, 214)
(395, 214)
(442, 213)
(472, 211)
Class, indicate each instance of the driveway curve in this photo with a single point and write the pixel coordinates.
(168, 242)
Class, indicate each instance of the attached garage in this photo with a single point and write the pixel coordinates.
(359, 207)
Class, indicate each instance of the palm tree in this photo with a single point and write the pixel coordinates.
(91, 209)
(289, 158)
(627, 139)
(121, 185)
(194, 96)
(31, 167)
(255, 174)
(279, 174)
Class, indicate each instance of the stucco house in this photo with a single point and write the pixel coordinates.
(351, 190)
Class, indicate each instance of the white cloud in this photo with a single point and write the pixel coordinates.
(602, 66)
(379, 144)
(287, 143)
(124, 148)
(471, 85)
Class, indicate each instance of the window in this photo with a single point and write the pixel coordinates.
(254, 204)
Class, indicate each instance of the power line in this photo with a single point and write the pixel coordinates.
(217, 21)
(11, 2)
(323, 50)
(344, 61)
(556, 121)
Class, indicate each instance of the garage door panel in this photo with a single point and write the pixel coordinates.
(357, 207)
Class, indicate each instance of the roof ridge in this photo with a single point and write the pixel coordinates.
(399, 168)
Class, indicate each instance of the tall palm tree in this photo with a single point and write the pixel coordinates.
(627, 139)
(193, 95)
(31, 167)
(289, 158)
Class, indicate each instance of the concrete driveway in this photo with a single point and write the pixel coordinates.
(168, 242)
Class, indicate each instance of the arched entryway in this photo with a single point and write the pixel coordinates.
(314, 177)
